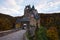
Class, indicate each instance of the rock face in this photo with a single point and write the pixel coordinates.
(6, 22)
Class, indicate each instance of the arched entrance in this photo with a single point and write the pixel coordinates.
(25, 22)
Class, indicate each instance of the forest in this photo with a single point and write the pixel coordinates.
(52, 24)
(49, 25)
(6, 22)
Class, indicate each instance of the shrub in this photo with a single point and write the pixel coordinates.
(41, 33)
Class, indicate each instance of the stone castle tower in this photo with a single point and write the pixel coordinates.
(29, 12)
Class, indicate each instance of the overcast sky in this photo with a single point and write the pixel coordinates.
(16, 7)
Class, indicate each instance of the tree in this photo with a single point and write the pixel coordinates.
(52, 33)
(41, 34)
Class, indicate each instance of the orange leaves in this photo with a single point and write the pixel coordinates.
(52, 33)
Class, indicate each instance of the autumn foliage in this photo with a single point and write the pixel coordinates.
(6, 22)
(52, 33)
(52, 23)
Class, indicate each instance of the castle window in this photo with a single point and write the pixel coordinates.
(27, 8)
(32, 15)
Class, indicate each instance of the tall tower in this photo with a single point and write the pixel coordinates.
(27, 11)
(34, 10)
(32, 14)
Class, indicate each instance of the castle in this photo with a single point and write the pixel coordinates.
(46, 20)
(30, 17)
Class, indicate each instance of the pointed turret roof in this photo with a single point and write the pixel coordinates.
(33, 8)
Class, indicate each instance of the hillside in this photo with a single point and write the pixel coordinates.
(6, 22)
(50, 19)
(51, 22)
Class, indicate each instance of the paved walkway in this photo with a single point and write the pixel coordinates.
(19, 35)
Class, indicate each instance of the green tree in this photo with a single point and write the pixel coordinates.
(41, 34)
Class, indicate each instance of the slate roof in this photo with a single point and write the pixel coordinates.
(25, 19)
(22, 19)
